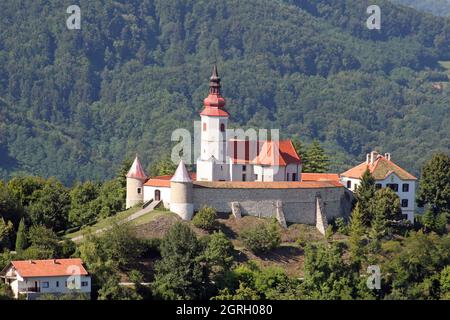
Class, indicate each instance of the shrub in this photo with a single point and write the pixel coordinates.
(341, 225)
(205, 218)
(262, 238)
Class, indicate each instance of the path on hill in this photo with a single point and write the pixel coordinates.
(132, 217)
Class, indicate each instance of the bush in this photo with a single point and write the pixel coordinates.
(262, 238)
(205, 219)
(341, 225)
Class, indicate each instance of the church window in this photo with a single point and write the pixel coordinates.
(139, 190)
(288, 176)
(222, 127)
(204, 126)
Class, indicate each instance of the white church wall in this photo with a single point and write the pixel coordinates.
(149, 193)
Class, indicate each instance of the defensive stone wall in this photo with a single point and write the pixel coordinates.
(299, 205)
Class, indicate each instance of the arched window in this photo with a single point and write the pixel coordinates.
(222, 127)
(204, 126)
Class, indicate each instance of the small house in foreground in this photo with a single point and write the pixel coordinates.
(56, 276)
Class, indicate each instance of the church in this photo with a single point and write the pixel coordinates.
(241, 176)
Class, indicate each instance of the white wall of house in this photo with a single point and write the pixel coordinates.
(407, 198)
(49, 285)
(350, 183)
(269, 173)
(149, 193)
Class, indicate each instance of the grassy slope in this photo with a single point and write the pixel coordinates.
(107, 222)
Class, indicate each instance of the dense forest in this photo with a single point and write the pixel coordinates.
(75, 103)
(437, 7)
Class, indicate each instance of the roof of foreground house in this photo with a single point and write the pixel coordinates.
(381, 168)
(48, 268)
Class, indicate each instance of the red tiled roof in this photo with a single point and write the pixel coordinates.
(265, 153)
(49, 268)
(380, 169)
(320, 177)
(164, 181)
(267, 185)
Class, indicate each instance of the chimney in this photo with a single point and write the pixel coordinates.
(373, 157)
(387, 156)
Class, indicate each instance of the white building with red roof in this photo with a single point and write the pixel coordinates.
(261, 177)
(387, 174)
(56, 276)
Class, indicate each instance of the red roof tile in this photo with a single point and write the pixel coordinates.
(49, 268)
(380, 169)
(270, 153)
(320, 177)
(164, 181)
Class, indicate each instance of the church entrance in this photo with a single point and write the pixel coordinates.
(157, 195)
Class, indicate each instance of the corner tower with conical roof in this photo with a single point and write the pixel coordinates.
(181, 193)
(211, 166)
(136, 178)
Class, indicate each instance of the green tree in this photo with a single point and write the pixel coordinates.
(356, 235)
(180, 274)
(434, 185)
(364, 194)
(21, 237)
(219, 253)
(315, 158)
(6, 231)
(82, 210)
(262, 238)
(327, 276)
(163, 167)
(205, 218)
(50, 206)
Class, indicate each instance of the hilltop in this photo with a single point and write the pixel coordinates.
(74, 104)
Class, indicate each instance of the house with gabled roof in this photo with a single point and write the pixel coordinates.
(387, 174)
(32, 278)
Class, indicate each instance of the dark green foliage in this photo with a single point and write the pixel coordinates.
(434, 186)
(80, 102)
(180, 274)
(315, 159)
(219, 253)
(327, 276)
(163, 167)
(364, 195)
(262, 238)
(205, 218)
(6, 232)
(21, 237)
(248, 282)
(413, 271)
(356, 235)
(50, 206)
